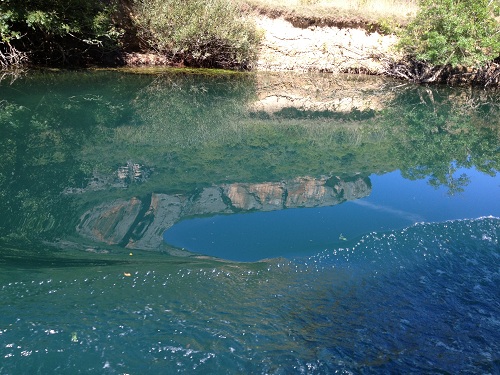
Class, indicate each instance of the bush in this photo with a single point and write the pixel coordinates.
(56, 32)
(454, 32)
(198, 33)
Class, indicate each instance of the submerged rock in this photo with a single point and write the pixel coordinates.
(121, 178)
(164, 211)
(261, 197)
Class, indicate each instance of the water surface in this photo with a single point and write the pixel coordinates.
(273, 224)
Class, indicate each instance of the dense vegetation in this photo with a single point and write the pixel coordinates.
(76, 32)
(197, 32)
(57, 32)
(444, 34)
(454, 32)
(449, 34)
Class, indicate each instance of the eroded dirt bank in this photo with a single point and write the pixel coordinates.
(338, 49)
(324, 49)
(285, 47)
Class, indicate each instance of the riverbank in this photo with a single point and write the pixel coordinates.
(305, 47)
(360, 37)
(322, 48)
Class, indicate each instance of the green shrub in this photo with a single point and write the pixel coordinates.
(199, 33)
(454, 32)
(58, 31)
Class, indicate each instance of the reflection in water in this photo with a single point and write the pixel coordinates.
(285, 95)
(393, 203)
(121, 157)
(140, 224)
(423, 298)
(405, 215)
(95, 166)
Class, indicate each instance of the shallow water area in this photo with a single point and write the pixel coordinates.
(268, 224)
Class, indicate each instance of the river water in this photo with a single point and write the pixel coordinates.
(174, 222)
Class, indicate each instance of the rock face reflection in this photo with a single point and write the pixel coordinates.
(140, 223)
(110, 222)
(122, 178)
(277, 93)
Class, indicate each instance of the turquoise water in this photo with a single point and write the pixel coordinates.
(179, 223)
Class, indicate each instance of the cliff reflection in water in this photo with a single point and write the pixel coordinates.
(107, 160)
(127, 223)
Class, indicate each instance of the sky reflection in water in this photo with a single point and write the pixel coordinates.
(394, 203)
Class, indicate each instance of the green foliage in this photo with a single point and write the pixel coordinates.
(6, 33)
(387, 25)
(57, 30)
(455, 32)
(436, 132)
(198, 33)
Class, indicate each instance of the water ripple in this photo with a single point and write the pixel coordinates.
(424, 299)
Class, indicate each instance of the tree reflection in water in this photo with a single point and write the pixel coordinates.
(81, 148)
